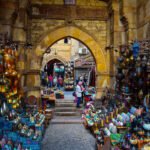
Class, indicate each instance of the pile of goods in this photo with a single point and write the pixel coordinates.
(122, 120)
(69, 76)
(125, 128)
(9, 78)
(19, 129)
(89, 94)
(59, 94)
(133, 72)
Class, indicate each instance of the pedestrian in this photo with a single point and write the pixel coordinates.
(59, 82)
(84, 81)
(50, 78)
(55, 81)
(79, 91)
(81, 78)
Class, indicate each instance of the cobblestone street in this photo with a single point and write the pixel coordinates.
(68, 137)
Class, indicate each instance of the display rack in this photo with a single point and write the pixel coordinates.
(69, 76)
(9, 77)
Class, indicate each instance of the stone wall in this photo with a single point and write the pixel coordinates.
(41, 27)
(143, 19)
(85, 3)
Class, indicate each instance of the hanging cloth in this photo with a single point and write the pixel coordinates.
(92, 77)
(89, 77)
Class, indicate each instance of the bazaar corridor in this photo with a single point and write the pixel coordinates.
(68, 137)
(74, 74)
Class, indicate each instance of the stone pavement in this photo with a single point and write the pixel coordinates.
(68, 137)
(68, 95)
(66, 132)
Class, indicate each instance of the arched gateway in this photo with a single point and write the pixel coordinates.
(102, 74)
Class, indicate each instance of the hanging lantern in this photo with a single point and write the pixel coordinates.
(140, 82)
(148, 66)
(10, 100)
(139, 70)
(120, 59)
(5, 108)
(138, 59)
(14, 106)
(2, 111)
(144, 62)
(135, 49)
(140, 94)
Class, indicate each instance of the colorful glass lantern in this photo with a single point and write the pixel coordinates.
(135, 49)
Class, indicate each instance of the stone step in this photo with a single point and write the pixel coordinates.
(65, 109)
(64, 101)
(66, 121)
(67, 113)
(65, 105)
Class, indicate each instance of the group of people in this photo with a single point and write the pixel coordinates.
(52, 81)
(55, 81)
(81, 83)
(83, 93)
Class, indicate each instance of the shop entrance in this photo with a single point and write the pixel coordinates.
(63, 77)
(99, 54)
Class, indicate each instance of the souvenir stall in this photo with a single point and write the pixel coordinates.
(48, 98)
(69, 77)
(59, 94)
(89, 94)
(122, 120)
(19, 129)
(59, 69)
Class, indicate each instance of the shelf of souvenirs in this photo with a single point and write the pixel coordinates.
(131, 126)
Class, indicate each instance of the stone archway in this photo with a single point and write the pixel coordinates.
(51, 57)
(102, 75)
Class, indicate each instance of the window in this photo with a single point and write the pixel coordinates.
(69, 2)
(66, 40)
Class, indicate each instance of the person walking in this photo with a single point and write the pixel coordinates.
(59, 82)
(50, 78)
(55, 81)
(79, 91)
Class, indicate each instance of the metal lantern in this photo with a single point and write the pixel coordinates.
(5, 108)
(135, 49)
(2, 111)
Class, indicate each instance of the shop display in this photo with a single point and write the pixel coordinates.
(69, 76)
(123, 116)
(19, 128)
(89, 94)
(133, 78)
(58, 69)
(9, 77)
(59, 94)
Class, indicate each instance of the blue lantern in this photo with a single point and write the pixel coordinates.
(135, 48)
